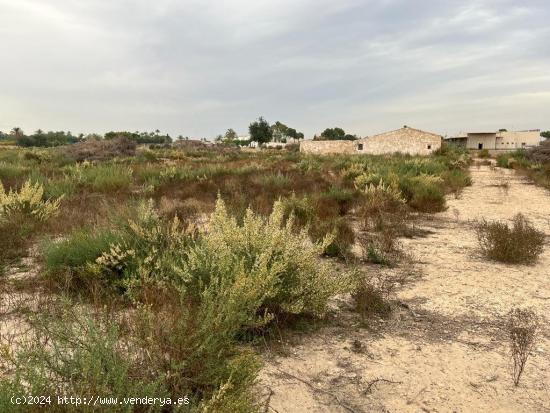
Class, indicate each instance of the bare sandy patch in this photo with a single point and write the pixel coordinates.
(444, 350)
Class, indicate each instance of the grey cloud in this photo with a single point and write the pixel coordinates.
(199, 67)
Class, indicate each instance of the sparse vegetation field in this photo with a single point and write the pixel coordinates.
(160, 269)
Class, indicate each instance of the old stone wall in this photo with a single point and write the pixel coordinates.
(327, 147)
(405, 140)
(413, 145)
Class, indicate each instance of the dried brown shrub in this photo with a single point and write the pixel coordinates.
(371, 295)
(100, 150)
(381, 248)
(540, 153)
(522, 330)
(518, 243)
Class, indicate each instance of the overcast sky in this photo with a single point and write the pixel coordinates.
(199, 67)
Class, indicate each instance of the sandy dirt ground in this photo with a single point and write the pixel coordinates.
(444, 348)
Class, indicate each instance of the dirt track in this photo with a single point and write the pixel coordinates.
(443, 350)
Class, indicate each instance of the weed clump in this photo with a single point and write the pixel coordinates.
(382, 248)
(519, 243)
(371, 295)
(522, 330)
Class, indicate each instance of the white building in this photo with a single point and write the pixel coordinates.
(501, 140)
(244, 138)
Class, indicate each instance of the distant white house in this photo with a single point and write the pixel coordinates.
(501, 140)
(244, 138)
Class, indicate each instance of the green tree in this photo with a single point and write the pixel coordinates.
(281, 132)
(333, 134)
(17, 132)
(545, 134)
(230, 135)
(291, 133)
(260, 131)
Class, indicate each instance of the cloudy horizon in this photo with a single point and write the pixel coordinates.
(197, 68)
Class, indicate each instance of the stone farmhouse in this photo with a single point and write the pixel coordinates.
(405, 140)
(501, 140)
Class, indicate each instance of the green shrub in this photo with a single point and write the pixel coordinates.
(275, 181)
(484, 154)
(365, 179)
(353, 171)
(105, 177)
(28, 201)
(424, 193)
(62, 187)
(309, 164)
(15, 236)
(78, 250)
(383, 198)
(343, 197)
(302, 209)
(11, 170)
(83, 358)
(284, 262)
(342, 235)
(502, 160)
(517, 159)
(267, 253)
(519, 243)
(455, 180)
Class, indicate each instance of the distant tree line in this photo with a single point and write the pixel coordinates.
(41, 138)
(45, 139)
(141, 137)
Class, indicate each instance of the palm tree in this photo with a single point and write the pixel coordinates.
(17, 131)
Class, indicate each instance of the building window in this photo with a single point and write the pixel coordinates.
(359, 146)
(429, 146)
(523, 144)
